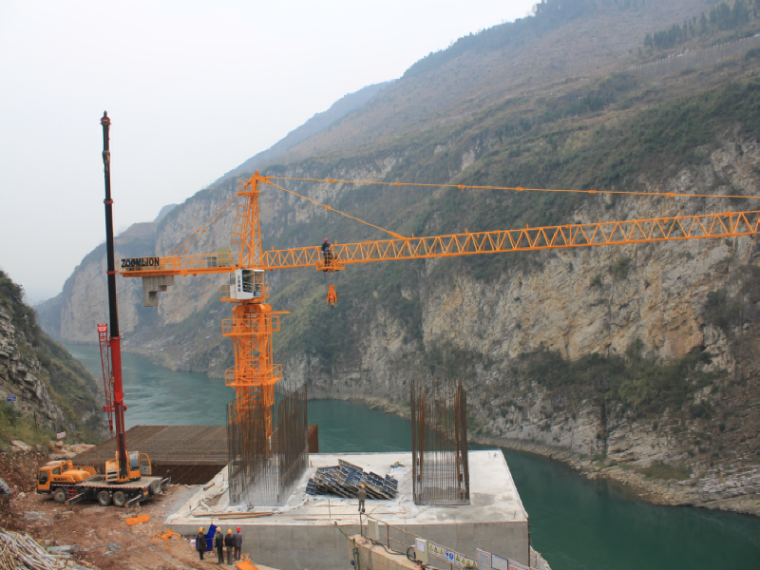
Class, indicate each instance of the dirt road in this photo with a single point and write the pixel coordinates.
(98, 537)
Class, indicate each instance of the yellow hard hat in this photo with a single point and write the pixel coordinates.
(229, 531)
(200, 529)
(362, 486)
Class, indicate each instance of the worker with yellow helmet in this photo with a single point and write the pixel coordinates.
(361, 494)
(228, 546)
(200, 542)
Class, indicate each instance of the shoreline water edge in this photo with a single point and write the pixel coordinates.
(720, 495)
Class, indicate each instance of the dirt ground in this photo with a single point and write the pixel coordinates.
(99, 536)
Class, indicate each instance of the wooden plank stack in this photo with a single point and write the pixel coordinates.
(345, 478)
(22, 551)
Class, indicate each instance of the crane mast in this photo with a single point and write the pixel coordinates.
(254, 375)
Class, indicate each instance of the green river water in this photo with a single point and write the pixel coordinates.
(575, 523)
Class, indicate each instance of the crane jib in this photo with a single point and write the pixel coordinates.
(677, 228)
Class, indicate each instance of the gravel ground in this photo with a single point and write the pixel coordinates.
(98, 536)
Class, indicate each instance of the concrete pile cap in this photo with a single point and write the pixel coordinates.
(494, 497)
(495, 520)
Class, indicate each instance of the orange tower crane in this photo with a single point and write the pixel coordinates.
(253, 321)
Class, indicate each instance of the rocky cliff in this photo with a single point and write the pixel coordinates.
(53, 392)
(640, 359)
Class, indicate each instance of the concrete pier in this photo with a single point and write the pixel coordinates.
(303, 534)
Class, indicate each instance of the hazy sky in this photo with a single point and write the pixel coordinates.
(193, 89)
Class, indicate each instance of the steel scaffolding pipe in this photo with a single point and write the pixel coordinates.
(440, 470)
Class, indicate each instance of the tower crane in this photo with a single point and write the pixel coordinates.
(253, 321)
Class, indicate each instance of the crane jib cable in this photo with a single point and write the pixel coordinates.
(266, 180)
(513, 188)
(192, 238)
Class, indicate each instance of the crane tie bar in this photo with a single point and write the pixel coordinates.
(513, 188)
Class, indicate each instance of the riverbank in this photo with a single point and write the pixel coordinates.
(735, 489)
(607, 518)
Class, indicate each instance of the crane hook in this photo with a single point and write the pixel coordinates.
(332, 296)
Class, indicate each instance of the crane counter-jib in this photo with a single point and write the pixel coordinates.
(650, 230)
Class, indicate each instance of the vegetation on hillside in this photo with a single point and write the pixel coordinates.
(14, 425)
(71, 387)
(537, 149)
(548, 15)
(641, 384)
(722, 17)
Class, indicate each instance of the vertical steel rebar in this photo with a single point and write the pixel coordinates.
(262, 470)
(440, 470)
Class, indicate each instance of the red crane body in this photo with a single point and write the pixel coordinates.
(114, 408)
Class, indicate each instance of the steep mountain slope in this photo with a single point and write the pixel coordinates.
(53, 390)
(317, 123)
(565, 43)
(641, 356)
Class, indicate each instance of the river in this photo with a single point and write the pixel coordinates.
(575, 523)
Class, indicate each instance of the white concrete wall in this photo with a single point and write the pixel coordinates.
(323, 547)
(302, 533)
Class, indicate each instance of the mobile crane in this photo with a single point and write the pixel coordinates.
(253, 321)
(127, 478)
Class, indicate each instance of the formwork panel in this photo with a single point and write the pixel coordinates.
(190, 454)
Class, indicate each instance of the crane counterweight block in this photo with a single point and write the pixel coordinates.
(154, 285)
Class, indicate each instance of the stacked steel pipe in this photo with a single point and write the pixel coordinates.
(345, 479)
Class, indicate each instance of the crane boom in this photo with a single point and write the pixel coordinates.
(115, 340)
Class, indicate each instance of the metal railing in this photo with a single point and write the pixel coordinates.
(232, 378)
(257, 324)
(390, 542)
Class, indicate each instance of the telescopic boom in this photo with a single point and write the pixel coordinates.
(115, 340)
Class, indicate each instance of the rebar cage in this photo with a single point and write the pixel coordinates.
(264, 472)
(440, 470)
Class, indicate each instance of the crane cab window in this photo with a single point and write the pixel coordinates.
(43, 477)
(134, 461)
(250, 283)
(247, 278)
(57, 471)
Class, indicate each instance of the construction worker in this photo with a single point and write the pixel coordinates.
(219, 545)
(237, 542)
(228, 545)
(200, 542)
(361, 494)
(326, 251)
